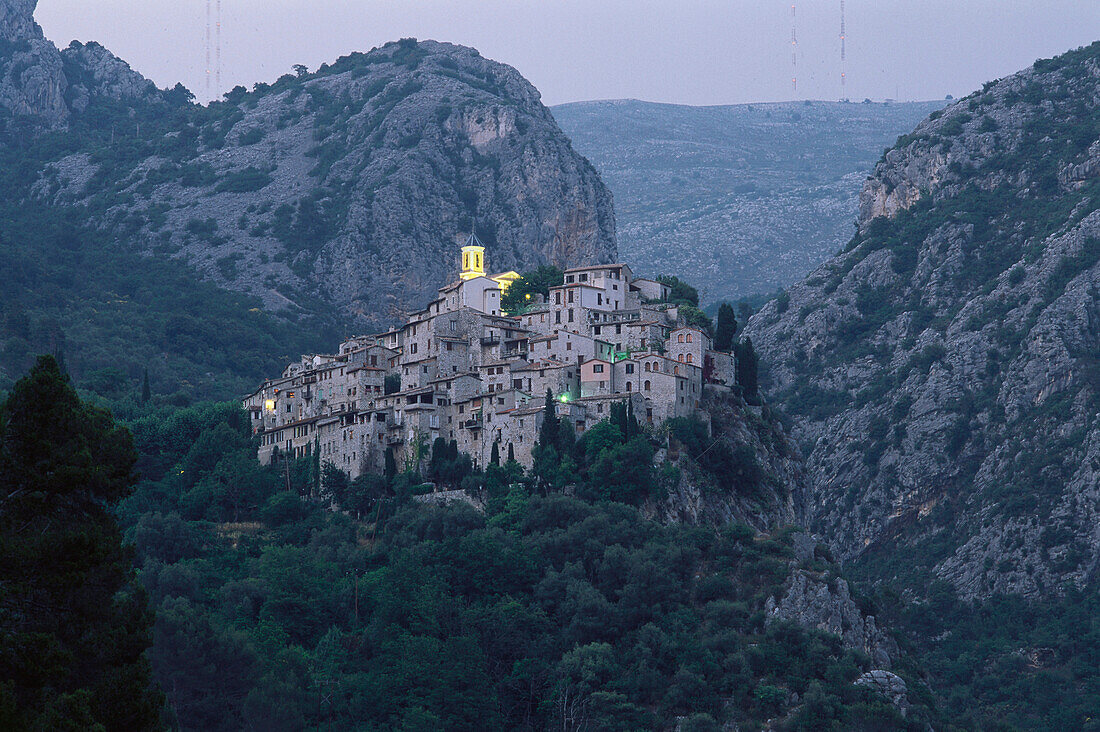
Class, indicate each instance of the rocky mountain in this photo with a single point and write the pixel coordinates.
(316, 193)
(943, 371)
(40, 83)
(311, 198)
(742, 199)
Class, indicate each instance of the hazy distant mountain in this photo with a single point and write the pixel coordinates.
(741, 199)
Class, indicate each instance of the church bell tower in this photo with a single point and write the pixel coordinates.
(473, 259)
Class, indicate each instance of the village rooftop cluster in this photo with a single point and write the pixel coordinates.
(464, 370)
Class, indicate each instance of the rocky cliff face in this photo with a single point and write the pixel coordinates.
(45, 86)
(343, 192)
(943, 370)
(769, 490)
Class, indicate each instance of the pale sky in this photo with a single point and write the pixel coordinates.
(680, 51)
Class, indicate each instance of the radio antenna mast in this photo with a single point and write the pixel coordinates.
(794, 51)
(843, 38)
(208, 15)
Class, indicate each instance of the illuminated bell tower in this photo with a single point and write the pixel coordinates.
(473, 259)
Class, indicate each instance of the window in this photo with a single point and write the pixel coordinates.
(412, 348)
(680, 358)
(557, 319)
(454, 326)
(647, 386)
(596, 330)
(618, 329)
(599, 298)
(569, 345)
(689, 358)
(584, 278)
(680, 338)
(689, 337)
(628, 386)
(630, 368)
(557, 297)
(647, 366)
(570, 296)
(570, 315)
(449, 344)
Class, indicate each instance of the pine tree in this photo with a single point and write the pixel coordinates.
(726, 329)
(145, 392)
(74, 622)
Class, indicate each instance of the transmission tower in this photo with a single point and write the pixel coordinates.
(218, 46)
(843, 38)
(208, 15)
(794, 52)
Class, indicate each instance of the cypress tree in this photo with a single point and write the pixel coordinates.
(145, 392)
(494, 459)
(391, 466)
(511, 453)
(74, 622)
(747, 365)
(548, 433)
(726, 329)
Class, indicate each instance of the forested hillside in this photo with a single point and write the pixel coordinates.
(539, 611)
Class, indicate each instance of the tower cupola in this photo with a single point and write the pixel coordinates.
(473, 259)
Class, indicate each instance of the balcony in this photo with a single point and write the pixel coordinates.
(472, 424)
(492, 340)
(395, 440)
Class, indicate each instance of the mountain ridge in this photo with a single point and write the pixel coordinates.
(939, 369)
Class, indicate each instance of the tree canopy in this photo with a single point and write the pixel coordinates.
(74, 624)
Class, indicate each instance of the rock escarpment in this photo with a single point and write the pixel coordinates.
(762, 485)
(943, 370)
(342, 192)
(45, 86)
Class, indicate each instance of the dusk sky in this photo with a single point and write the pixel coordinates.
(681, 51)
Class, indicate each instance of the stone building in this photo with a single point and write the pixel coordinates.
(464, 370)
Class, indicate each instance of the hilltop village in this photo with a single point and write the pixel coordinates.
(464, 370)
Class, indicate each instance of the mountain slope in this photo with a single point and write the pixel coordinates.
(745, 198)
(317, 192)
(943, 370)
(332, 201)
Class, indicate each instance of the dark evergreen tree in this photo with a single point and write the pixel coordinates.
(511, 453)
(726, 328)
(145, 392)
(391, 466)
(747, 365)
(436, 467)
(548, 432)
(74, 623)
(334, 484)
(494, 458)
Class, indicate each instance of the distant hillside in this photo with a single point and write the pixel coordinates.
(743, 198)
